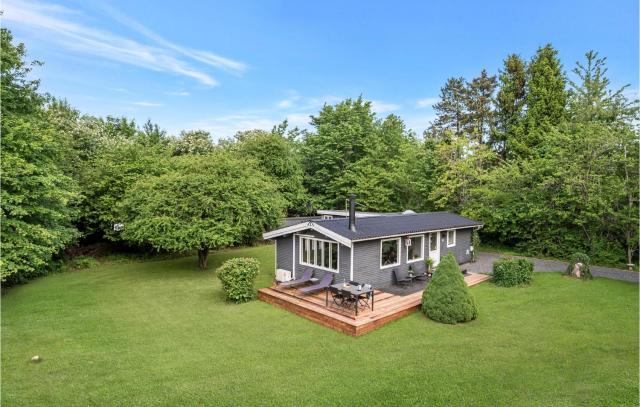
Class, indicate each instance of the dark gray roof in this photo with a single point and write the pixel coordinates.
(379, 226)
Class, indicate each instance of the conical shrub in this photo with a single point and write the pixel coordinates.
(447, 298)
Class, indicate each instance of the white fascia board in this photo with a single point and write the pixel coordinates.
(417, 233)
(285, 231)
(307, 225)
(338, 238)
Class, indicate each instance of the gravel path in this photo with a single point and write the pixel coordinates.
(484, 264)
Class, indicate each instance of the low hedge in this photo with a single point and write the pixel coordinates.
(585, 272)
(447, 298)
(512, 272)
(237, 276)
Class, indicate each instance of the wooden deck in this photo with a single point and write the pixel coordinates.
(387, 307)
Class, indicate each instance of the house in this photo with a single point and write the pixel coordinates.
(367, 248)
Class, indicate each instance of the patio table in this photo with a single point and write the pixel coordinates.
(353, 289)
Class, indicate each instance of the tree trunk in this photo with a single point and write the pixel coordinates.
(203, 255)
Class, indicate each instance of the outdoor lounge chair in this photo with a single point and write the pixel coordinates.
(420, 273)
(401, 277)
(305, 278)
(324, 282)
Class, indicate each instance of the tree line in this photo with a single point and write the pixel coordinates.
(550, 165)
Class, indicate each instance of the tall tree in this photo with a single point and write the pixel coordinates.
(480, 121)
(546, 94)
(591, 97)
(36, 193)
(277, 156)
(451, 109)
(342, 134)
(510, 102)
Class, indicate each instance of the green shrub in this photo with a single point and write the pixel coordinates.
(512, 272)
(447, 298)
(585, 272)
(237, 276)
(83, 262)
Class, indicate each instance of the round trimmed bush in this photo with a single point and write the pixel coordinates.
(585, 272)
(447, 298)
(237, 276)
(512, 272)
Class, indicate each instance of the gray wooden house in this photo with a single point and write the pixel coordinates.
(367, 248)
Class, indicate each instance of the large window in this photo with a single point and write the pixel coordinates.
(389, 252)
(415, 251)
(451, 238)
(319, 253)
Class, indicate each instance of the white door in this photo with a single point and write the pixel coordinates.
(434, 247)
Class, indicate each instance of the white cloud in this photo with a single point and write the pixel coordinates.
(383, 107)
(427, 102)
(147, 104)
(178, 93)
(285, 104)
(163, 56)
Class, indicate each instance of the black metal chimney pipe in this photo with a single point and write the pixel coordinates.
(352, 212)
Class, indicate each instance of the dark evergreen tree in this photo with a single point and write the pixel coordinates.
(451, 109)
(546, 95)
(510, 102)
(480, 117)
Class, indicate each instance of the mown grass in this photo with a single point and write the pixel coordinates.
(159, 332)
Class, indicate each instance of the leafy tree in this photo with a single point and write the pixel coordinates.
(480, 121)
(116, 166)
(36, 193)
(447, 298)
(460, 168)
(591, 99)
(277, 156)
(342, 135)
(451, 109)
(192, 142)
(510, 102)
(203, 202)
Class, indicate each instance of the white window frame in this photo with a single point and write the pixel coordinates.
(319, 249)
(412, 245)
(454, 238)
(397, 239)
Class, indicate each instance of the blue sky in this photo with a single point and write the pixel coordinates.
(229, 66)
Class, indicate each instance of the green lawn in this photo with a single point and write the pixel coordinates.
(159, 332)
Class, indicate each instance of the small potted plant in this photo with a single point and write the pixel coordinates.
(429, 264)
(411, 273)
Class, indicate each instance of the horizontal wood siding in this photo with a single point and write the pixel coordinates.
(283, 253)
(461, 249)
(366, 261)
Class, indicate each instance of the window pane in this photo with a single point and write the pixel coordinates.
(450, 236)
(433, 243)
(334, 256)
(312, 251)
(326, 254)
(415, 250)
(305, 250)
(389, 252)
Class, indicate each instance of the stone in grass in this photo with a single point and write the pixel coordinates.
(36, 359)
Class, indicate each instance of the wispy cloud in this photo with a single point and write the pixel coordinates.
(178, 93)
(61, 27)
(426, 102)
(147, 104)
(383, 107)
(205, 57)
